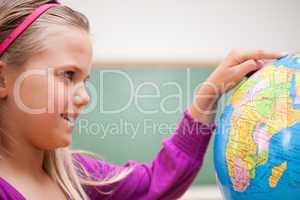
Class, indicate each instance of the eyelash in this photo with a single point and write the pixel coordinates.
(72, 76)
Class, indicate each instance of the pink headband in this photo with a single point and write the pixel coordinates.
(24, 25)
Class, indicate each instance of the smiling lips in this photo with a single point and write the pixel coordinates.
(70, 118)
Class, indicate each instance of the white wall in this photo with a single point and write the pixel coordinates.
(189, 29)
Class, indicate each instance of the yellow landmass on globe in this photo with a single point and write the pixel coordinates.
(277, 174)
(274, 111)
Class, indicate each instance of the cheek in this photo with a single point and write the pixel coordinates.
(46, 132)
(32, 93)
(39, 95)
(44, 101)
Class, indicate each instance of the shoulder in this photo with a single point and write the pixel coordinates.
(7, 192)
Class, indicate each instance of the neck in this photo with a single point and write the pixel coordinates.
(21, 158)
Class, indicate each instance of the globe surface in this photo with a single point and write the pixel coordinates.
(257, 140)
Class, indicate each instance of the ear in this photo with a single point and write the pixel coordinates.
(3, 80)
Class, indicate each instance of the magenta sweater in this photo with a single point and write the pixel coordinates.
(167, 177)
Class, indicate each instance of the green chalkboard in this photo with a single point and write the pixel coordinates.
(133, 109)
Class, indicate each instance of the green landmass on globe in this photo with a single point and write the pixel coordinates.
(257, 142)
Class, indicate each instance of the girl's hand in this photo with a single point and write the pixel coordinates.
(228, 74)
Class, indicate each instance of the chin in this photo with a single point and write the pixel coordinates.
(64, 142)
(59, 143)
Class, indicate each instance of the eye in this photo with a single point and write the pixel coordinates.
(69, 75)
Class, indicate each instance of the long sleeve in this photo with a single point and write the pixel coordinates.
(167, 177)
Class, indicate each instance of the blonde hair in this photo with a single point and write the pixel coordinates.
(60, 164)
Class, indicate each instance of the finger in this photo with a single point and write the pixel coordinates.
(260, 64)
(238, 57)
(248, 67)
(260, 55)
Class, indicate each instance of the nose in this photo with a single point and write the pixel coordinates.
(81, 97)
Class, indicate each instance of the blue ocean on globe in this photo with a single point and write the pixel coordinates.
(257, 140)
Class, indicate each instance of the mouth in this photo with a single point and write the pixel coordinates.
(69, 118)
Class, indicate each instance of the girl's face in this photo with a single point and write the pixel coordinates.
(46, 96)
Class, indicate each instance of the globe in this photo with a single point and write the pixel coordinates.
(257, 140)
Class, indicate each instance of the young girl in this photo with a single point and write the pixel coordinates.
(45, 59)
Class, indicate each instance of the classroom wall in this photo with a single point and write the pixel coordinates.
(190, 29)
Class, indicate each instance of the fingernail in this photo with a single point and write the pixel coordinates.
(260, 63)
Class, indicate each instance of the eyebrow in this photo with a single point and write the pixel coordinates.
(76, 69)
